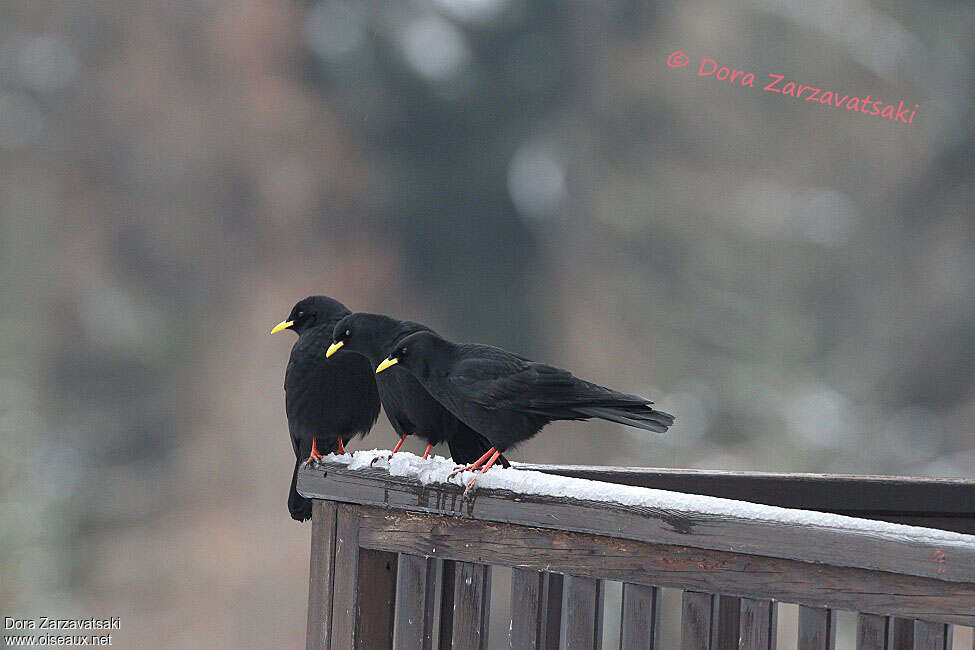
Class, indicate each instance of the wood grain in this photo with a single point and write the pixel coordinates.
(415, 603)
(472, 602)
(638, 619)
(698, 613)
(320, 574)
(911, 553)
(817, 628)
(583, 615)
(666, 565)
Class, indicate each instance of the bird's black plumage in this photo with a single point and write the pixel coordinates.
(508, 398)
(323, 401)
(409, 407)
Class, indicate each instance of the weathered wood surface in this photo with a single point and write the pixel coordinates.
(472, 602)
(915, 553)
(758, 624)
(583, 616)
(873, 632)
(536, 608)
(698, 621)
(526, 609)
(447, 604)
(638, 620)
(932, 636)
(415, 603)
(377, 598)
(345, 593)
(729, 613)
(595, 556)
(320, 575)
(817, 628)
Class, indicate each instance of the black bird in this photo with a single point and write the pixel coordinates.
(327, 403)
(409, 407)
(508, 398)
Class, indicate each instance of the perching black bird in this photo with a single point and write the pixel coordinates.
(327, 403)
(508, 398)
(409, 407)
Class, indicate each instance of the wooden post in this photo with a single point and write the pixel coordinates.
(320, 575)
(758, 624)
(472, 602)
(872, 632)
(415, 602)
(817, 628)
(638, 622)
(582, 622)
(697, 621)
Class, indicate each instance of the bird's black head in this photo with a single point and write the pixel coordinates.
(371, 335)
(417, 352)
(312, 311)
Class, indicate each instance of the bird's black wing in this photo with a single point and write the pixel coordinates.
(495, 379)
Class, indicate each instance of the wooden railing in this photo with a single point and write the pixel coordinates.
(396, 563)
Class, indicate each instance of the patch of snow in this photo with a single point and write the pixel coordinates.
(437, 469)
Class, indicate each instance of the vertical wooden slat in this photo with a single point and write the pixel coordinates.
(320, 575)
(638, 622)
(729, 616)
(583, 616)
(415, 596)
(552, 613)
(697, 621)
(902, 634)
(932, 636)
(345, 594)
(377, 595)
(872, 632)
(758, 624)
(527, 609)
(447, 604)
(817, 628)
(472, 602)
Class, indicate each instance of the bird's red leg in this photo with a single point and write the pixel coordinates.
(314, 454)
(494, 457)
(477, 463)
(341, 450)
(398, 444)
(427, 452)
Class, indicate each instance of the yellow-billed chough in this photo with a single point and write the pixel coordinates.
(327, 403)
(507, 398)
(409, 407)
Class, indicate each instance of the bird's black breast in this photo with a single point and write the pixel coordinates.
(327, 398)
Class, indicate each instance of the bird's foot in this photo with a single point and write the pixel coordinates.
(426, 454)
(314, 454)
(341, 449)
(476, 464)
(494, 458)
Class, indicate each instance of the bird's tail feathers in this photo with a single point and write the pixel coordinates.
(641, 418)
(298, 506)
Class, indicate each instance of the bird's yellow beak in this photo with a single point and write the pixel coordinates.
(283, 325)
(387, 363)
(333, 348)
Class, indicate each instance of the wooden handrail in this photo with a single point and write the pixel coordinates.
(378, 538)
(910, 551)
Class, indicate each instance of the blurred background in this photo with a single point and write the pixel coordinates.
(793, 281)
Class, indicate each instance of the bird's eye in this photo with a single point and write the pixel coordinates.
(300, 314)
(348, 332)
